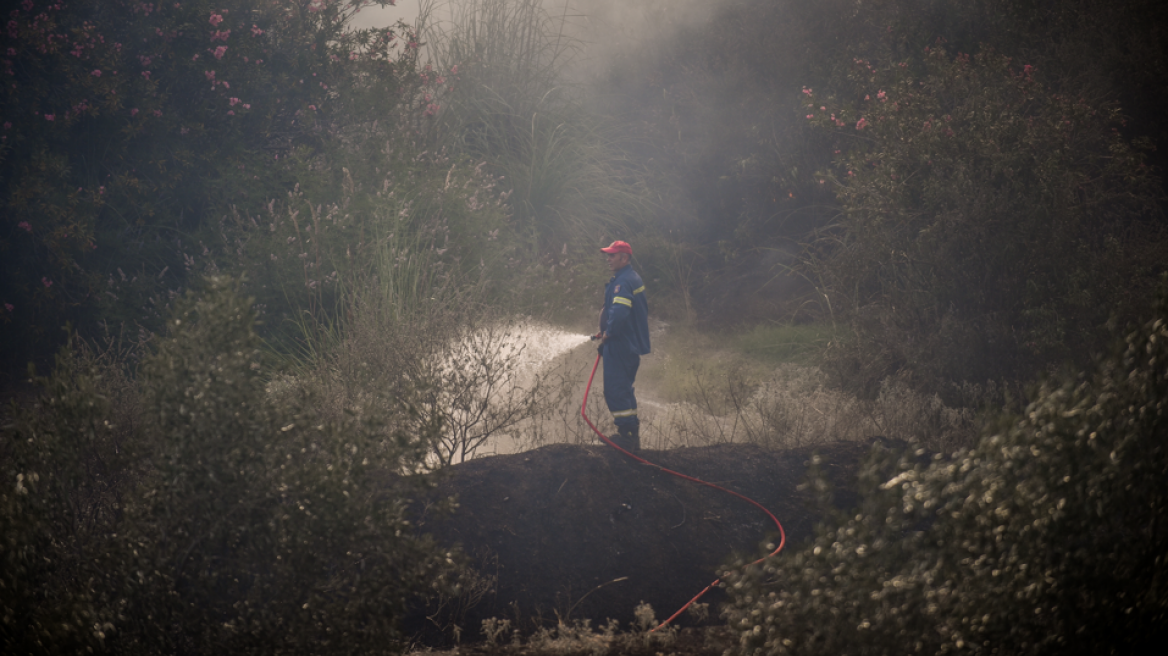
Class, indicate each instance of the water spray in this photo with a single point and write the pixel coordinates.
(782, 533)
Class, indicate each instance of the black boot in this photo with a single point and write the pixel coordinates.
(628, 438)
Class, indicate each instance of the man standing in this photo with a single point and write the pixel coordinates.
(624, 338)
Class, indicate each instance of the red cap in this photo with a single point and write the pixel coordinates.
(618, 247)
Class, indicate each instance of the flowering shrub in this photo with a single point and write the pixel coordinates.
(989, 225)
(127, 127)
(1046, 537)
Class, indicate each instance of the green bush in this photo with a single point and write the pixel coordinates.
(1047, 537)
(421, 227)
(223, 520)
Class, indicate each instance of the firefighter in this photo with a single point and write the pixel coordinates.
(624, 338)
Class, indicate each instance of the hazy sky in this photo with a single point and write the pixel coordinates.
(382, 16)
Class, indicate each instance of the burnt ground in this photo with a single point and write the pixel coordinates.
(566, 532)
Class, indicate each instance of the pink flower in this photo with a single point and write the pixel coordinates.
(431, 110)
(50, 117)
(440, 80)
(860, 124)
(881, 96)
(312, 107)
(96, 72)
(210, 75)
(215, 20)
(255, 31)
(158, 112)
(146, 74)
(226, 84)
(134, 112)
(46, 282)
(810, 116)
(219, 52)
(230, 113)
(454, 70)
(220, 36)
(9, 307)
(23, 225)
(246, 106)
(233, 101)
(806, 91)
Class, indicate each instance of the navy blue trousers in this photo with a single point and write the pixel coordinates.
(620, 371)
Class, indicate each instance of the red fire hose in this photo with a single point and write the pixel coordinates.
(782, 533)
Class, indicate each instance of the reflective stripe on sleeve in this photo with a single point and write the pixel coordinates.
(639, 289)
(622, 300)
(625, 413)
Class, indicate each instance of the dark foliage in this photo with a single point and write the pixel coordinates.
(1046, 537)
(991, 226)
(129, 127)
(207, 518)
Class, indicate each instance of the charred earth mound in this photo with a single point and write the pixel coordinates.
(569, 532)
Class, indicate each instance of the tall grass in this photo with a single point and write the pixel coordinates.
(507, 104)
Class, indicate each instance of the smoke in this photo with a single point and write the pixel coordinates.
(608, 32)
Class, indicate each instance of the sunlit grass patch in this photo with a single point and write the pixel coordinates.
(779, 343)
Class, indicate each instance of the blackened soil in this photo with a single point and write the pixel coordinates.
(570, 532)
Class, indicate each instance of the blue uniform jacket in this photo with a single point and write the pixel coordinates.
(626, 312)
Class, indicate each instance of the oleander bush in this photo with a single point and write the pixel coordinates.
(991, 226)
(217, 518)
(1045, 537)
(130, 128)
